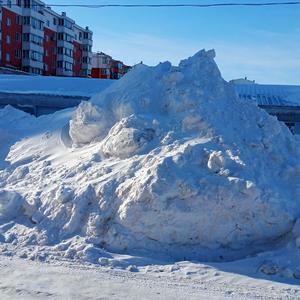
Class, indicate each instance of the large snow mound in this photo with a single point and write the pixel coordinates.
(166, 160)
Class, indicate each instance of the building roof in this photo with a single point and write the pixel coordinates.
(269, 95)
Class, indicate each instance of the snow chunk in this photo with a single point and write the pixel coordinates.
(89, 122)
(215, 161)
(269, 268)
(12, 205)
(128, 137)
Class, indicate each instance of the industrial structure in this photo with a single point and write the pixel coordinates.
(37, 40)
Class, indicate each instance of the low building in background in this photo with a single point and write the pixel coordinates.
(37, 40)
(105, 67)
(282, 101)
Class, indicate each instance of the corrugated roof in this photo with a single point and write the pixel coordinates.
(262, 94)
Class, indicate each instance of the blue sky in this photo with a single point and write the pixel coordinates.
(261, 43)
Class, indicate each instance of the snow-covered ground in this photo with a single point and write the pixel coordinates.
(68, 86)
(164, 169)
(21, 279)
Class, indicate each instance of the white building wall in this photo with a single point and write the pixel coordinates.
(101, 60)
(51, 19)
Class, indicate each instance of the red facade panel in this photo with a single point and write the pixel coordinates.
(49, 52)
(11, 39)
(77, 55)
(95, 73)
(100, 73)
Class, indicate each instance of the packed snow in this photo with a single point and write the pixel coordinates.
(63, 86)
(166, 163)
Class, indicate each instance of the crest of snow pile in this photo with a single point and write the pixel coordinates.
(166, 160)
(161, 92)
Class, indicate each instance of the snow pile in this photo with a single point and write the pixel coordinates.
(167, 160)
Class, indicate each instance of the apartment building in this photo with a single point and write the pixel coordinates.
(38, 40)
(105, 67)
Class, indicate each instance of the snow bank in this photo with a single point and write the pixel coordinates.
(168, 161)
(11, 129)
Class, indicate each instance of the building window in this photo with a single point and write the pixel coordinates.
(35, 39)
(8, 22)
(7, 57)
(18, 53)
(25, 53)
(65, 37)
(8, 39)
(19, 3)
(19, 20)
(9, 3)
(27, 3)
(18, 37)
(36, 56)
(26, 20)
(25, 37)
(48, 23)
(37, 24)
(68, 52)
(68, 66)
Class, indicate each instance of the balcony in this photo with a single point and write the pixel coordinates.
(87, 42)
(29, 12)
(30, 29)
(86, 66)
(28, 62)
(66, 30)
(32, 46)
(65, 44)
(87, 54)
(63, 57)
(64, 72)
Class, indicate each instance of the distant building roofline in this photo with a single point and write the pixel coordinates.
(242, 81)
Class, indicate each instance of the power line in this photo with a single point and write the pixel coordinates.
(95, 6)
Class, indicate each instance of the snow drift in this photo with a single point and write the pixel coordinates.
(166, 160)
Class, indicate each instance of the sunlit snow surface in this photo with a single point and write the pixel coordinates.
(165, 163)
